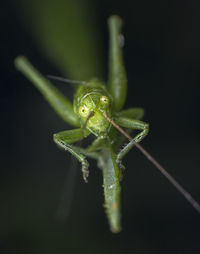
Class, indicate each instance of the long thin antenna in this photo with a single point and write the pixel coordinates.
(64, 80)
(171, 179)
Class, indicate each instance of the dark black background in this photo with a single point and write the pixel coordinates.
(162, 55)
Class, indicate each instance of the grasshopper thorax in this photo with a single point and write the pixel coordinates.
(91, 101)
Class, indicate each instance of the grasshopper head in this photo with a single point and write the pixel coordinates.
(92, 106)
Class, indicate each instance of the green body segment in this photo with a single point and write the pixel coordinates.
(92, 102)
(112, 189)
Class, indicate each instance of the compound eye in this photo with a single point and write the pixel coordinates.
(104, 99)
(83, 110)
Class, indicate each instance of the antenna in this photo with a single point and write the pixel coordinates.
(64, 80)
(163, 171)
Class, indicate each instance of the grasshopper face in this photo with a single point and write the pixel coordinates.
(92, 105)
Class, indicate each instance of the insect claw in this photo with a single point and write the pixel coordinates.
(85, 175)
(119, 162)
(85, 170)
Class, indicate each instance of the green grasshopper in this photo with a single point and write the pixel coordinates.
(97, 110)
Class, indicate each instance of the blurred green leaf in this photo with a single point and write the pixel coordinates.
(65, 31)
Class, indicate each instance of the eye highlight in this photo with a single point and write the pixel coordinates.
(104, 99)
(83, 111)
